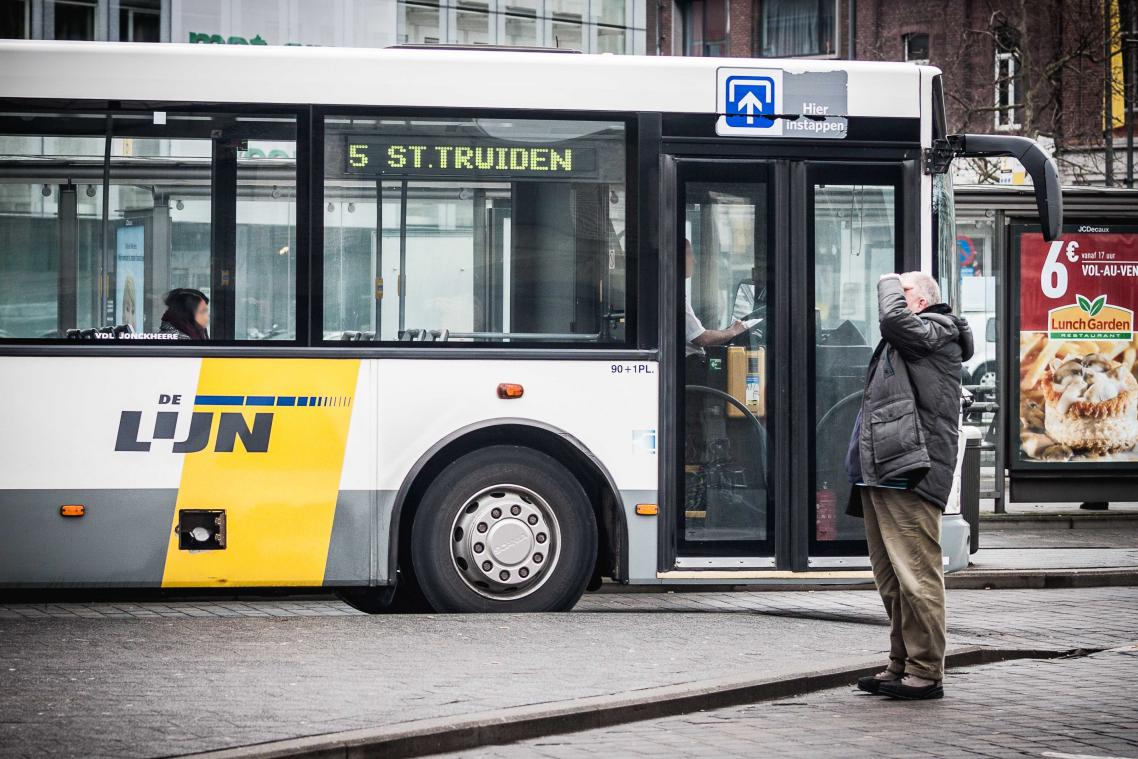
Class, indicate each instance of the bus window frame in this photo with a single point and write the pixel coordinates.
(771, 173)
(634, 336)
(642, 146)
(54, 113)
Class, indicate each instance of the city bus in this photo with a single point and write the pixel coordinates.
(450, 295)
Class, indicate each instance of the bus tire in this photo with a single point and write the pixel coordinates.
(504, 529)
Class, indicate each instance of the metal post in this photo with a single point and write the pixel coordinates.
(66, 316)
(1129, 69)
(378, 259)
(1007, 340)
(223, 242)
(1108, 128)
(104, 251)
(403, 256)
(482, 305)
(157, 263)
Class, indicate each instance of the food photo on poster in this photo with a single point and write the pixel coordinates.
(1078, 377)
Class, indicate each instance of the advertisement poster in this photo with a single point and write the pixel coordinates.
(130, 261)
(1078, 382)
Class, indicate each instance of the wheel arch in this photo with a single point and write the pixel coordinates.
(594, 477)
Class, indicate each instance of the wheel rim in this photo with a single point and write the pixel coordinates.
(505, 542)
(988, 379)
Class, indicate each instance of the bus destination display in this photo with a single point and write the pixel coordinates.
(435, 157)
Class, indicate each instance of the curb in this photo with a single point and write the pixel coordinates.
(965, 579)
(432, 736)
(1096, 520)
(1014, 579)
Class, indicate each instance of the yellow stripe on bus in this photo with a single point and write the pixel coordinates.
(279, 504)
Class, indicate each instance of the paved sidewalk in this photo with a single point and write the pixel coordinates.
(1080, 708)
(160, 679)
(1076, 544)
(988, 506)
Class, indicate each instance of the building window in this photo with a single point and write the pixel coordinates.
(472, 23)
(606, 26)
(73, 20)
(15, 19)
(705, 26)
(1007, 90)
(421, 23)
(790, 28)
(140, 21)
(917, 48)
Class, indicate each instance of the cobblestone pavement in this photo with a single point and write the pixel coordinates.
(152, 679)
(1077, 708)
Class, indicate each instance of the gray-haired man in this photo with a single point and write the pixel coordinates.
(901, 461)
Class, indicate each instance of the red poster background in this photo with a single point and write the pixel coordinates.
(1117, 247)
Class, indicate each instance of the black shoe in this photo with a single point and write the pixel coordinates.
(898, 689)
(872, 683)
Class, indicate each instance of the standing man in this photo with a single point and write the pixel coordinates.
(901, 462)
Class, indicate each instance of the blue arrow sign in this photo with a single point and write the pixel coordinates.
(748, 99)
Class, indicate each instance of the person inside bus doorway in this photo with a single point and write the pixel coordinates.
(901, 461)
(186, 315)
(697, 336)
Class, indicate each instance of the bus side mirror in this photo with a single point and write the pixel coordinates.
(1041, 169)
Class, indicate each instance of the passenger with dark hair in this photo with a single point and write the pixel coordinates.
(187, 314)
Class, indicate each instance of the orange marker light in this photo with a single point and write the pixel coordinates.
(647, 509)
(72, 510)
(509, 390)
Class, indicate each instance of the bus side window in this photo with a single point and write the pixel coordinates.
(76, 264)
(475, 231)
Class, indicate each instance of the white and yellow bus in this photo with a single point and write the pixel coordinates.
(447, 352)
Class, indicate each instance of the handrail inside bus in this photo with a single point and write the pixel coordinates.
(551, 336)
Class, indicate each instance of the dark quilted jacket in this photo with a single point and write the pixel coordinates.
(911, 408)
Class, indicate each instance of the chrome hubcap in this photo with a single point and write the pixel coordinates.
(505, 542)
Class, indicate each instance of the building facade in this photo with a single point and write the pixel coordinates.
(1054, 70)
(593, 26)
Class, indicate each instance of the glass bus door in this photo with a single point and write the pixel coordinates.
(779, 263)
(725, 240)
(854, 228)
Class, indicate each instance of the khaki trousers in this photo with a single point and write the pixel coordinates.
(903, 531)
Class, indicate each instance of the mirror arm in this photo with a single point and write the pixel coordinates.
(1039, 166)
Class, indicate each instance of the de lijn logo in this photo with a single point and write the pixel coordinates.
(231, 425)
(1087, 319)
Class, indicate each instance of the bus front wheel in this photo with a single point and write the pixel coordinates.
(505, 529)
